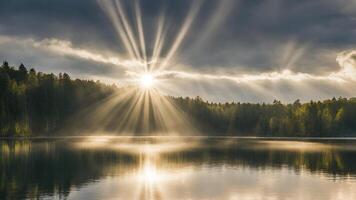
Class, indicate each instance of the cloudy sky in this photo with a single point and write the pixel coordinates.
(222, 50)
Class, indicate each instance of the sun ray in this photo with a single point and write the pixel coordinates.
(159, 41)
(128, 121)
(142, 109)
(109, 8)
(223, 9)
(192, 13)
(141, 32)
(128, 29)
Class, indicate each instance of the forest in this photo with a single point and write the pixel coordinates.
(35, 103)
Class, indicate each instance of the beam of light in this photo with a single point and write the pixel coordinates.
(291, 53)
(173, 118)
(182, 33)
(98, 117)
(223, 9)
(128, 29)
(135, 111)
(159, 41)
(109, 9)
(132, 119)
(140, 32)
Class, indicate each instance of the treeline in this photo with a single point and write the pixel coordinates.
(35, 103)
(335, 117)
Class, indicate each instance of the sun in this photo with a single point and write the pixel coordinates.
(147, 81)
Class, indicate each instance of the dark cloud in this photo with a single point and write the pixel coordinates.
(256, 30)
(325, 23)
(249, 25)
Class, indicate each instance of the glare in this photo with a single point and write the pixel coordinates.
(149, 174)
(147, 81)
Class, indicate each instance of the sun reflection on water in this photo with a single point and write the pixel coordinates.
(146, 168)
(149, 178)
(149, 174)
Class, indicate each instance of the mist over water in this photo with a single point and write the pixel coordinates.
(177, 168)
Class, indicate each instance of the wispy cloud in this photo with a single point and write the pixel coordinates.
(346, 73)
(346, 61)
(66, 48)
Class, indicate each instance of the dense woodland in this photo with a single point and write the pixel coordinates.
(34, 103)
(335, 117)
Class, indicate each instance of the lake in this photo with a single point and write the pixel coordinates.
(177, 168)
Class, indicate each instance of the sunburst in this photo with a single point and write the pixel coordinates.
(147, 81)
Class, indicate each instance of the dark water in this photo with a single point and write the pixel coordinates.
(177, 168)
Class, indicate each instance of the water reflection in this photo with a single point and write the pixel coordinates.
(177, 168)
(149, 178)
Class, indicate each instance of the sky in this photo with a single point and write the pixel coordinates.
(221, 50)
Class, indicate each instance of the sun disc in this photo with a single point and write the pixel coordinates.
(147, 81)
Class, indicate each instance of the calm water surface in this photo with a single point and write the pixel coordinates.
(177, 168)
